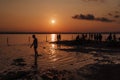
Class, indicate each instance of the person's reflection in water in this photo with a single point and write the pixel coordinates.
(35, 64)
(35, 69)
(59, 46)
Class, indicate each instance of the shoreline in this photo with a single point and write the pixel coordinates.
(74, 63)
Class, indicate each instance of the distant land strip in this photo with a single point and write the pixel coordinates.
(58, 32)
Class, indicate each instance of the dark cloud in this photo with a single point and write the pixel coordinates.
(92, 18)
(110, 14)
(103, 19)
(90, 0)
(116, 11)
(116, 16)
(94, 0)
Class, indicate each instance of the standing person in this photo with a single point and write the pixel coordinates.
(59, 37)
(114, 37)
(109, 38)
(35, 44)
(77, 38)
(100, 37)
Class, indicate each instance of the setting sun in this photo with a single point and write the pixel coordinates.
(53, 21)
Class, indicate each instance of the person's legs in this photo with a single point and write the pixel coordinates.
(36, 52)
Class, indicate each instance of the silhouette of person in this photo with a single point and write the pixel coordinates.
(35, 44)
(58, 37)
(95, 37)
(100, 37)
(119, 39)
(109, 38)
(114, 37)
(83, 37)
(77, 38)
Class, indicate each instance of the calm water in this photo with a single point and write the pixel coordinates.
(27, 38)
(52, 55)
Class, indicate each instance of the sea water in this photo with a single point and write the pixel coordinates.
(53, 56)
(27, 38)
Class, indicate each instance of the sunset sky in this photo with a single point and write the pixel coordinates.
(59, 15)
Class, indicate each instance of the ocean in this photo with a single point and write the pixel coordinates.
(55, 60)
(27, 38)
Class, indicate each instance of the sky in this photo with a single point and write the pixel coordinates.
(59, 15)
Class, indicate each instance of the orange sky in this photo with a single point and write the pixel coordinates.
(36, 15)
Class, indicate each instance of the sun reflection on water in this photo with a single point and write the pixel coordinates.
(53, 46)
(53, 55)
(53, 37)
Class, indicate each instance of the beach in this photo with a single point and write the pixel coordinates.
(58, 62)
(59, 39)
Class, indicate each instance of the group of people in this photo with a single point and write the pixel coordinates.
(111, 37)
(96, 37)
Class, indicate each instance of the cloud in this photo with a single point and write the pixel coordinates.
(110, 14)
(103, 19)
(94, 0)
(116, 16)
(90, 0)
(116, 11)
(92, 18)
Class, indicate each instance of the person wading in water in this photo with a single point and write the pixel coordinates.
(35, 44)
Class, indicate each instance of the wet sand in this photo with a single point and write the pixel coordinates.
(17, 62)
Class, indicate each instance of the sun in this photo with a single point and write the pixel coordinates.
(53, 21)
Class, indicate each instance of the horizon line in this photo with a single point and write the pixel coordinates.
(58, 32)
